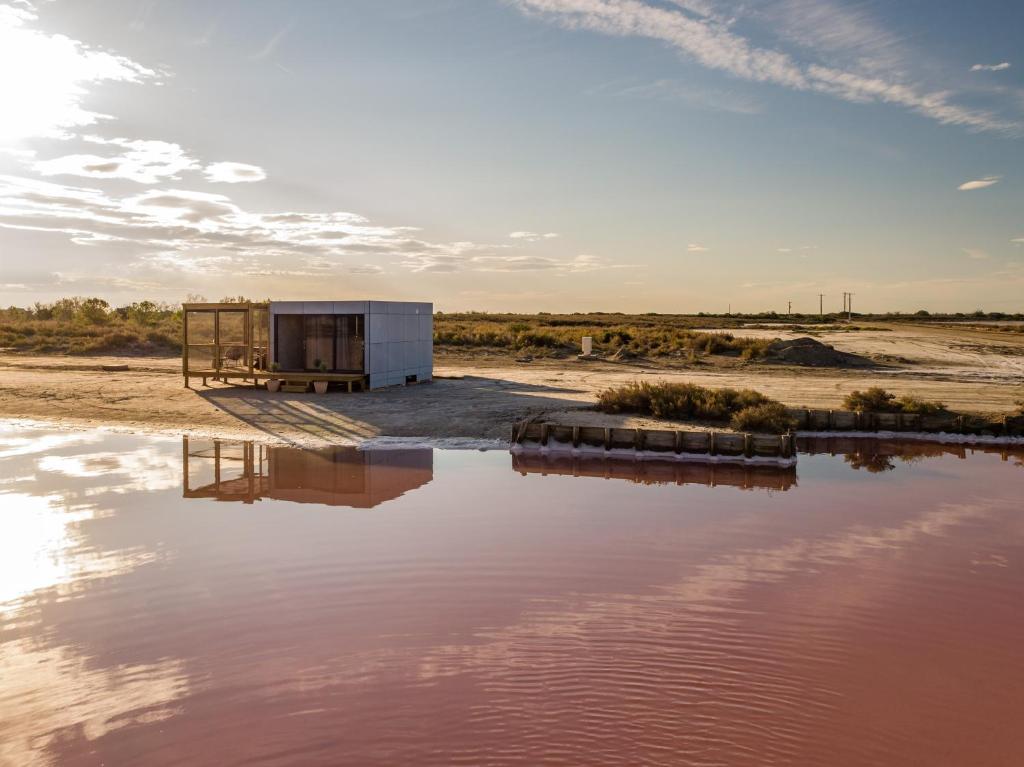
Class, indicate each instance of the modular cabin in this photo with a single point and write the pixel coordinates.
(369, 344)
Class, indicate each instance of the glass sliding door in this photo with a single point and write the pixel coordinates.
(319, 340)
(348, 343)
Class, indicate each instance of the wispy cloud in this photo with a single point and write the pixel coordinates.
(981, 183)
(694, 247)
(532, 236)
(708, 99)
(709, 40)
(991, 67)
(976, 254)
(271, 45)
(143, 161)
(233, 172)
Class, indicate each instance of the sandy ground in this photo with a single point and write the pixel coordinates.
(481, 397)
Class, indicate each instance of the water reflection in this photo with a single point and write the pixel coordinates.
(741, 476)
(504, 617)
(332, 476)
(878, 456)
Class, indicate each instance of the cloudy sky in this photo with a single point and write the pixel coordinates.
(553, 155)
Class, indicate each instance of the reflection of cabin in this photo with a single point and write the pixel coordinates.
(332, 476)
(746, 477)
(372, 343)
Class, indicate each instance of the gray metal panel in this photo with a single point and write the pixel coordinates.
(394, 325)
(317, 307)
(286, 307)
(378, 380)
(396, 360)
(425, 331)
(378, 328)
(410, 328)
(377, 307)
(350, 307)
(378, 358)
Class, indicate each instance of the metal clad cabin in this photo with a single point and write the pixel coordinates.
(372, 343)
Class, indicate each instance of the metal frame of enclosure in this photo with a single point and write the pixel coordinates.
(366, 343)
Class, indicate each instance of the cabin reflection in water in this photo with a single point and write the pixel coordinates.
(881, 455)
(332, 476)
(744, 477)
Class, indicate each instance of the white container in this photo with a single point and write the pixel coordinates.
(588, 345)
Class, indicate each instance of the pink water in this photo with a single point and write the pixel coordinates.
(437, 607)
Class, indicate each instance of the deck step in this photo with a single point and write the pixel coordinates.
(295, 387)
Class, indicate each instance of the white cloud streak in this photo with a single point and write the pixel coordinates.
(981, 183)
(991, 67)
(233, 172)
(710, 41)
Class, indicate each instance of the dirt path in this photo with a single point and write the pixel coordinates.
(480, 397)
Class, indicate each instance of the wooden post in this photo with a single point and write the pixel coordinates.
(216, 339)
(184, 463)
(184, 345)
(575, 436)
(639, 439)
(712, 444)
(544, 434)
(677, 442)
(748, 446)
(607, 438)
(216, 464)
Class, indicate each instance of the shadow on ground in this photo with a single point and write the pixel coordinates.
(471, 406)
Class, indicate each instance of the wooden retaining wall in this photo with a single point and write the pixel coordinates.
(657, 440)
(742, 476)
(846, 420)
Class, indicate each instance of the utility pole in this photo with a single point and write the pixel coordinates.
(844, 301)
(849, 310)
(821, 304)
(790, 309)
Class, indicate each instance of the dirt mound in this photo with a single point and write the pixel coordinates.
(810, 353)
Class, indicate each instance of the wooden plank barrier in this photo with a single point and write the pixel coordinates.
(950, 423)
(727, 444)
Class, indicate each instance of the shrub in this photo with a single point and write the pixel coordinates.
(878, 400)
(911, 404)
(678, 400)
(769, 417)
(874, 400)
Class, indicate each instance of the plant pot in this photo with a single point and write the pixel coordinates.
(273, 384)
(320, 387)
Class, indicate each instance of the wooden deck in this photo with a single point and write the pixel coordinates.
(259, 377)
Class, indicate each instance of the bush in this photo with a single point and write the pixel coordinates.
(678, 400)
(874, 400)
(769, 417)
(878, 400)
(911, 404)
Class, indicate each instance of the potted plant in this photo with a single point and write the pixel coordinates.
(320, 387)
(274, 384)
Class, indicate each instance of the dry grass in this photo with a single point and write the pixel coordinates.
(744, 409)
(90, 326)
(560, 335)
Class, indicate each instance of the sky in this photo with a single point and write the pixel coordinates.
(516, 155)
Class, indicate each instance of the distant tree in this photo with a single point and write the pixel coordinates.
(95, 311)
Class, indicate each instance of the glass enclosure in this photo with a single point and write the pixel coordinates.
(301, 341)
